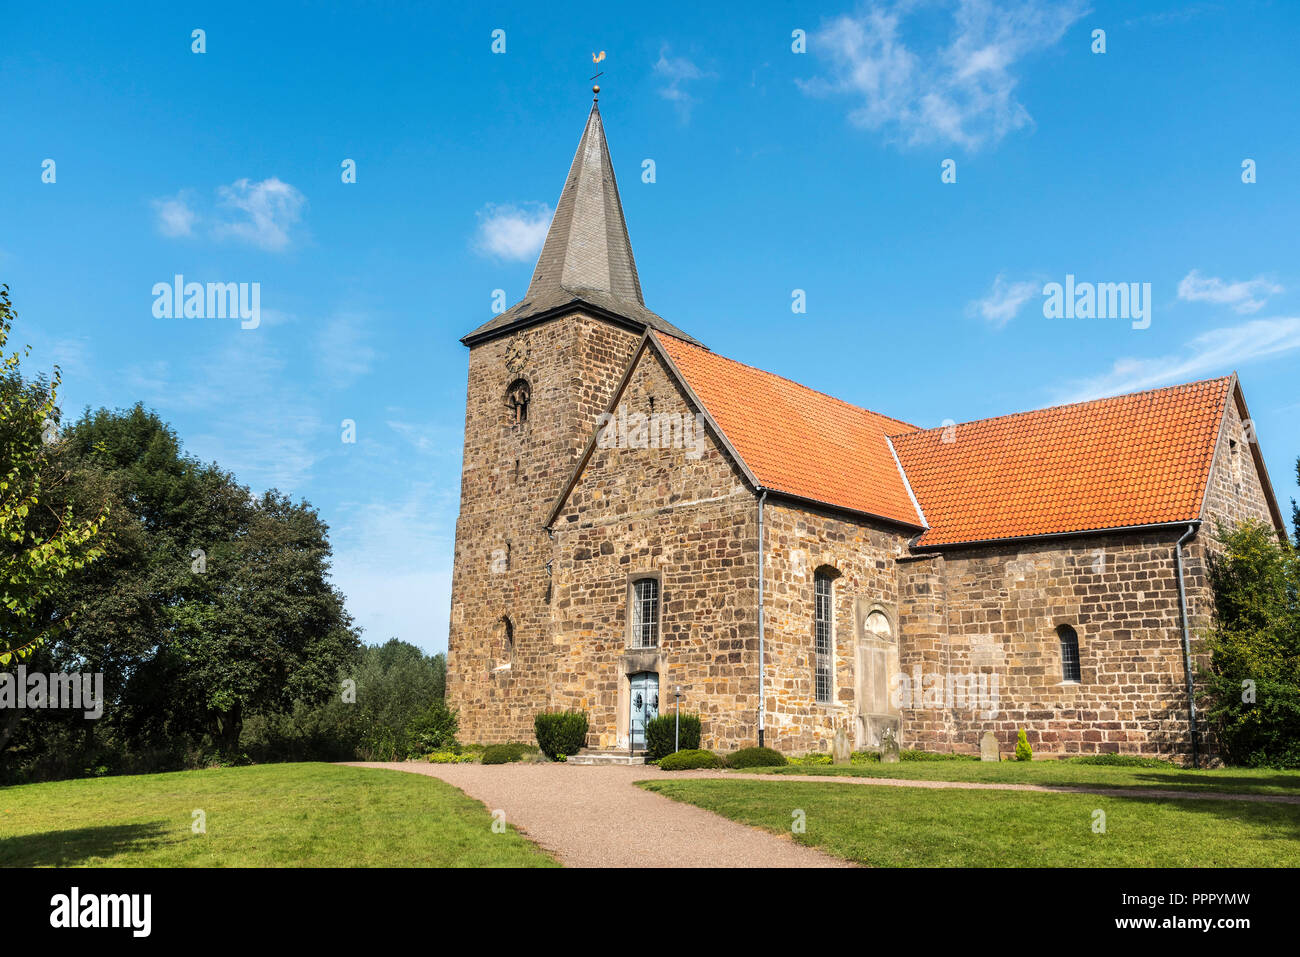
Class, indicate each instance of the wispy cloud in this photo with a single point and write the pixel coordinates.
(270, 208)
(1243, 296)
(674, 74)
(259, 425)
(512, 232)
(1004, 300)
(961, 92)
(261, 214)
(1216, 352)
(175, 215)
(428, 438)
(343, 350)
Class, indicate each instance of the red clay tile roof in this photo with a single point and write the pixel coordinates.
(796, 440)
(1141, 459)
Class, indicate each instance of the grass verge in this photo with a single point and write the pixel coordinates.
(275, 815)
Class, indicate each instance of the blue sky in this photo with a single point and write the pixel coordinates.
(775, 171)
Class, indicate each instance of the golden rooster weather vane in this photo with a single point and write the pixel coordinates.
(596, 58)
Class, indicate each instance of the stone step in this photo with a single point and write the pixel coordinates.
(605, 756)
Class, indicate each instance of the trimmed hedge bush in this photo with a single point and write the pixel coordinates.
(560, 732)
(504, 753)
(756, 758)
(659, 735)
(688, 760)
(1120, 760)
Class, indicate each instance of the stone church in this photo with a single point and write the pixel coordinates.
(647, 525)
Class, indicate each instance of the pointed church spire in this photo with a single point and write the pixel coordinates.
(587, 256)
(587, 247)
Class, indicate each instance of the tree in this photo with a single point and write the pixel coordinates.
(260, 626)
(40, 546)
(1252, 684)
(188, 645)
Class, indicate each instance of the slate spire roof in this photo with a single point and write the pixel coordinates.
(587, 257)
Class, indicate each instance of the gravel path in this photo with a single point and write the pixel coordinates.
(596, 817)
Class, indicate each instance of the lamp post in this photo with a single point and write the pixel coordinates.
(677, 721)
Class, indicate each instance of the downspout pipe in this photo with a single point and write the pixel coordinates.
(762, 687)
(1187, 642)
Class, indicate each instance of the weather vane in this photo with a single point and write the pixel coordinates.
(596, 58)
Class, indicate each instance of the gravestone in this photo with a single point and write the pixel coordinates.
(888, 747)
(989, 747)
(842, 752)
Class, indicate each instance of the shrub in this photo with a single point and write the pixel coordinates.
(813, 759)
(935, 756)
(1121, 760)
(1023, 751)
(504, 753)
(1252, 686)
(659, 735)
(449, 757)
(434, 729)
(560, 732)
(756, 758)
(689, 760)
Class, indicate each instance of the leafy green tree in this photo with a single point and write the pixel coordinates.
(1295, 509)
(260, 626)
(1252, 684)
(208, 606)
(40, 546)
(398, 709)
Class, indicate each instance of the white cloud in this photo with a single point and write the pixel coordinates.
(513, 232)
(961, 93)
(270, 208)
(1243, 296)
(1004, 300)
(1216, 352)
(676, 73)
(342, 350)
(176, 216)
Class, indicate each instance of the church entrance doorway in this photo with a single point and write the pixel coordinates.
(644, 701)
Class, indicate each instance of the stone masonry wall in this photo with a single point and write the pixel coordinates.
(511, 476)
(995, 610)
(688, 520)
(861, 555)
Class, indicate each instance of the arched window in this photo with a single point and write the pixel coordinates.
(644, 615)
(823, 634)
(517, 398)
(1069, 653)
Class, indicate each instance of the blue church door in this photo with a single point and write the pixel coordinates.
(645, 704)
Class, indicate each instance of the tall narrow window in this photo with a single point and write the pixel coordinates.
(822, 587)
(1069, 653)
(645, 613)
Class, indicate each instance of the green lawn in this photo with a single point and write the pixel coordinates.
(277, 815)
(1058, 773)
(925, 827)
